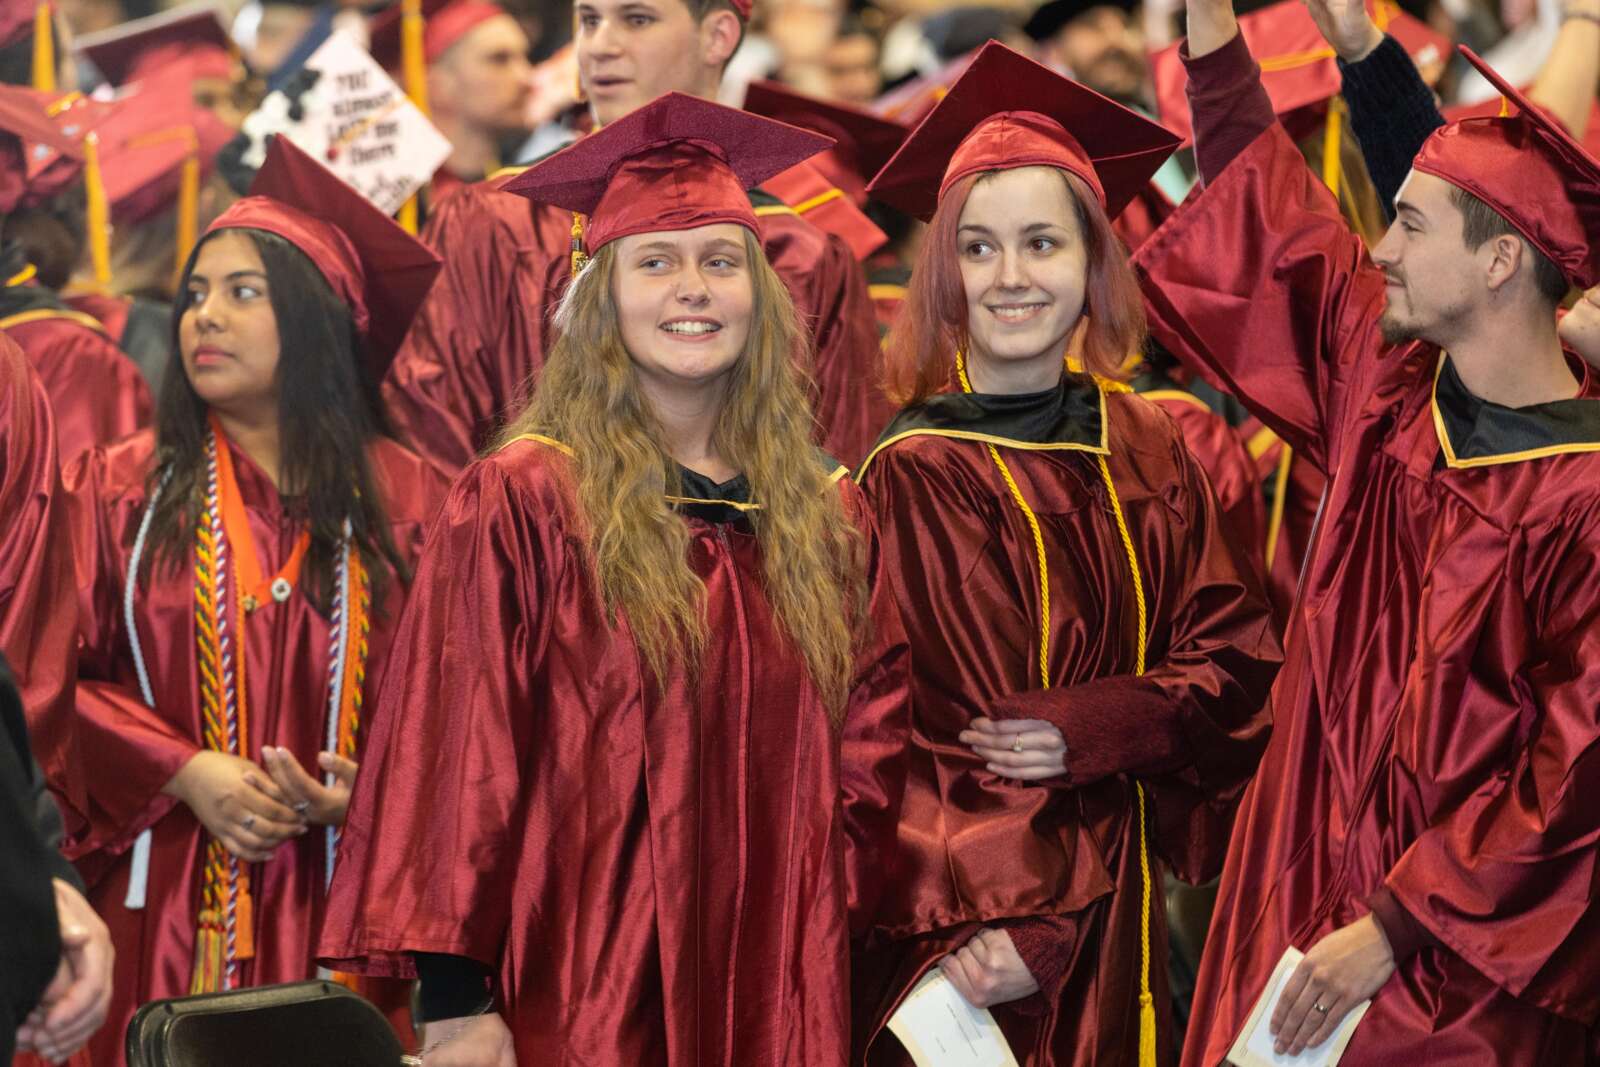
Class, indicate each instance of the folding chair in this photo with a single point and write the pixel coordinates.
(302, 1024)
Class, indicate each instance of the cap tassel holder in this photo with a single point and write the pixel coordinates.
(580, 259)
(188, 205)
(44, 48)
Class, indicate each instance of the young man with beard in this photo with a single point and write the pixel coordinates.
(1421, 825)
(485, 328)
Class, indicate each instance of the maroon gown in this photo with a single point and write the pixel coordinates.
(977, 849)
(38, 595)
(126, 751)
(657, 876)
(1221, 453)
(484, 330)
(1436, 733)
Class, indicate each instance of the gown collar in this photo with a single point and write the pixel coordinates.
(1069, 416)
(1479, 433)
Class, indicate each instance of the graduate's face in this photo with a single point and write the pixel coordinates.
(485, 79)
(684, 301)
(228, 335)
(1024, 264)
(1428, 269)
(632, 51)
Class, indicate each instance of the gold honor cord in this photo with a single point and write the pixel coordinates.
(1147, 1009)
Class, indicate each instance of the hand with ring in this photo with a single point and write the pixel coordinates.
(1025, 749)
(238, 803)
(322, 804)
(1343, 969)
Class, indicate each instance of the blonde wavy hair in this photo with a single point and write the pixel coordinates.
(813, 558)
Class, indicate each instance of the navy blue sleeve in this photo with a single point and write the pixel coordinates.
(1392, 112)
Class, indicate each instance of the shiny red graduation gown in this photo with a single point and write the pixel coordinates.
(126, 752)
(38, 595)
(1289, 535)
(1435, 721)
(96, 391)
(976, 848)
(1222, 455)
(484, 329)
(657, 876)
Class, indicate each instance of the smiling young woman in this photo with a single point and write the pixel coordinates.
(240, 569)
(1090, 656)
(651, 672)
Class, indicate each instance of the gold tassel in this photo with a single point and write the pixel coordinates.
(1331, 133)
(188, 207)
(44, 48)
(97, 212)
(413, 61)
(408, 215)
(579, 258)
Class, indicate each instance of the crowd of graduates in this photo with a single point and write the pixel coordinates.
(1077, 501)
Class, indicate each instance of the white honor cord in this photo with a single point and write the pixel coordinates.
(139, 874)
(341, 632)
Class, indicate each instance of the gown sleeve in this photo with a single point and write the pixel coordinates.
(876, 731)
(444, 389)
(429, 854)
(1259, 284)
(1506, 879)
(97, 393)
(1194, 724)
(126, 751)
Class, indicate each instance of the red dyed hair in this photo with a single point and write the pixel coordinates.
(921, 348)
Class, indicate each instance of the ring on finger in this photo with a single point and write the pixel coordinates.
(302, 807)
(1016, 745)
(1319, 1008)
(248, 821)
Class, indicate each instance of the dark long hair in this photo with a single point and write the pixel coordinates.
(328, 411)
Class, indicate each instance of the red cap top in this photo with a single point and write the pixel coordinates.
(194, 36)
(1492, 108)
(145, 141)
(1298, 69)
(677, 163)
(863, 141)
(1007, 112)
(44, 151)
(812, 194)
(380, 272)
(17, 20)
(445, 23)
(1530, 169)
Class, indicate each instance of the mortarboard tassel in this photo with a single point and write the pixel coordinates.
(97, 213)
(579, 258)
(407, 218)
(1332, 132)
(188, 205)
(44, 49)
(413, 61)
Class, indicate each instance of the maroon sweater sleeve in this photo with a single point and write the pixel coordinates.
(1229, 107)
(1045, 943)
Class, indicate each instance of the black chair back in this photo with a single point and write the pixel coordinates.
(302, 1024)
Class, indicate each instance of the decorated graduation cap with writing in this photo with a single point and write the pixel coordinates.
(1527, 167)
(1008, 112)
(677, 163)
(380, 272)
(192, 40)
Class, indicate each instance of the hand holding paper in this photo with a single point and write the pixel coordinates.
(940, 1029)
(1257, 1046)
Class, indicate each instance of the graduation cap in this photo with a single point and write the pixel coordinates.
(863, 142)
(1050, 18)
(677, 163)
(910, 103)
(811, 193)
(37, 157)
(1007, 112)
(22, 19)
(1528, 168)
(1298, 68)
(1496, 106)
(191, 41)
(380, 272)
